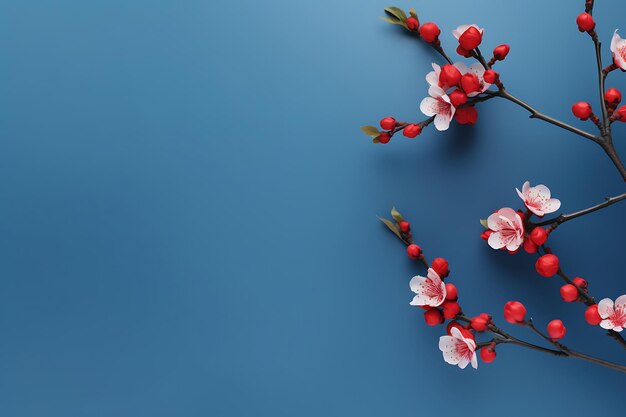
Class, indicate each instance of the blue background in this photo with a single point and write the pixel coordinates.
(187, 210)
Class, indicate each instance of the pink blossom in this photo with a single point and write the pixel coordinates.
(438, 105)
(461, 30)
(458, 350)
(508, 229)
(613, 314)
(618, 47)
(538, 200)
(430, 290)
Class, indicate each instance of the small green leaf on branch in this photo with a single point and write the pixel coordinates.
(370, 131)
(396, 215)
(484, 223)
(392, 226)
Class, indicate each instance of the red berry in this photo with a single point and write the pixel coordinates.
(585, 22)
(412, 130)
(384, 137)
(429, 32)
(547, 265)
(539, 235)
(621, 112)
(458, 98)
(514, 312)
(451, 309)
(487, 354)
(480, 323)
(485, 235)
(530, 246)
(388, 123)
(556, 329)
(471, 38)
(412, 23)
(490, 76)
(592, 316)
(452, 293)
(441, 267)
(449, 76)
(613, 96)
(569, 293)
(463, 52)
(470, 83)
(582, 110)
(466, 115)
(501, 51)
(580, 282)
(405, 227)
(413, 251)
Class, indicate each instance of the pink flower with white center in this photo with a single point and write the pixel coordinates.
(508, 229)
(438, 105)
(538, 200)
(613, 314)
(430, 290)
(477, 69)
(618, 47)
(461, 30)
(458, 350)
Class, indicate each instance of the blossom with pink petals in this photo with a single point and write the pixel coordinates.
(618, 47)
(438, 105)
(461, 30)
(458, 350)
(537, 199)
(508, 229)
(613, 314)
(430, 290)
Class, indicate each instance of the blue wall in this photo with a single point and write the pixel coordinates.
(187, 210)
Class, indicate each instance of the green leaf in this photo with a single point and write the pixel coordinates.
(484, 223)
(370, 130)
(396, 12)
(391, 227)
(396, 215)
(375, 140)
(394, 21)
(412, 12)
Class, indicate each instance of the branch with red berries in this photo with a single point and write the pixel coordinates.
(456, 88)
(460, 345)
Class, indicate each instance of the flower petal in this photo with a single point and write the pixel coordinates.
(620, 301)
(429, 106)
(605, 308)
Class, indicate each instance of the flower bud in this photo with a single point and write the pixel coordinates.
(412, 130)
(569, 293)
(388, 123)
(530, 246)
(441, 267)
(580, 282)
(585, 22)
(487, 354)
(405, 226)
(413, 251)
(449, 75)
(621, 112)
(470, 83)
(463, 52)
(539, 235)
(433, 317)
(514, 312)
(613, 96)
(480, 323)
(592, 316)
(429, 32)
(470, 39)
(458, 98)
(490, 76)
(485, 235)
(556, 329)
(501, 51)
(466, 115)
(450, 309)
(547, 265)
(582, 110)
(452, 293)
(412, 23)
(384, 137)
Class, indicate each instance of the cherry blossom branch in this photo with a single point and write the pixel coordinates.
(555, 222)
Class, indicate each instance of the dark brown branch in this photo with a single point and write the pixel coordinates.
(566, 217)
